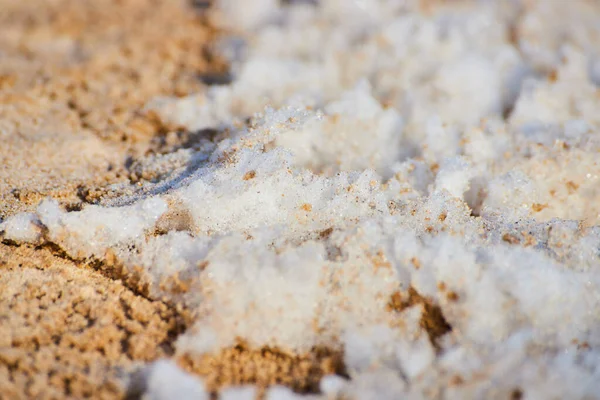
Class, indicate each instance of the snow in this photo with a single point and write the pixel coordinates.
(22, 228)
(166, 381)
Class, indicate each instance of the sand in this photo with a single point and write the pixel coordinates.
(74, 76)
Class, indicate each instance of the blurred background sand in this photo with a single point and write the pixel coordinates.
(74, 76)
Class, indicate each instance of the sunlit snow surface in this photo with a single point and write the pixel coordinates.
(391, 145)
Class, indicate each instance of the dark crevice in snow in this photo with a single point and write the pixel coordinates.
(432, 320)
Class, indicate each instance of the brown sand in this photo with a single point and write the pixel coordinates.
(74, 76)
(67, 331)
(264, 367)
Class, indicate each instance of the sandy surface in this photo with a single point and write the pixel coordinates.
(67, 330)
(74, 76)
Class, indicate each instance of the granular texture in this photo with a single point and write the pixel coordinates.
(74, 78)
(69, 332)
